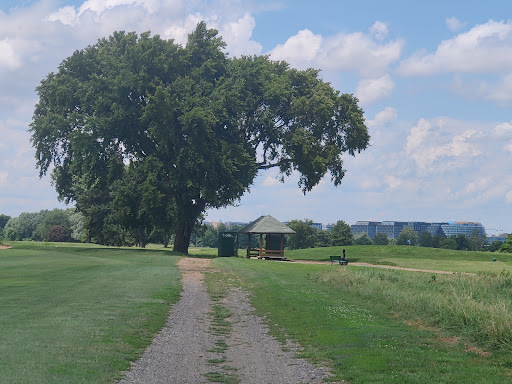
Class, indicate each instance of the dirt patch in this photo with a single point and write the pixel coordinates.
(4, 247)
(478, 351)
(382, 266)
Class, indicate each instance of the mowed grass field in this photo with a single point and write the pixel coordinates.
(412, 257)
(79, 314)
(76, 314)
(386, 326)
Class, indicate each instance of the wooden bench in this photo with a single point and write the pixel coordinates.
(339, 260)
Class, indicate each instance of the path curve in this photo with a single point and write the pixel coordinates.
(357, 264)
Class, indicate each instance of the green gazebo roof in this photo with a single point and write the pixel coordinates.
(267, 224)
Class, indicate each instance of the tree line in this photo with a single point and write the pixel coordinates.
(58, 225)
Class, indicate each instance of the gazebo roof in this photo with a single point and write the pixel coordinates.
(267, 224)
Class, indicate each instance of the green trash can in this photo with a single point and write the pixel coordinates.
(228, 244)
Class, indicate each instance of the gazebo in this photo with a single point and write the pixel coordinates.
(274, 232)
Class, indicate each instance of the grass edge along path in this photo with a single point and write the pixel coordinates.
(80, 314)
(364, 337)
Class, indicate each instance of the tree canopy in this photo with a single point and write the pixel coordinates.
(163, 132)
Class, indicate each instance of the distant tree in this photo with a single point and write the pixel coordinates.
(448, 243)
(341, 234)
(24, 227)
(495, 246)
(58, 233)
(436, 240)
(462, 242)
(323, 238)
(407, 236)
(57, 217)
(426, 239)
(305, 234)
(507, 246)
(3, 220)
(476, 240)
(363, 240)
(77, 224)
(380, 239)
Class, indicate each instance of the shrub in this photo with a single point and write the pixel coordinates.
(57, 233)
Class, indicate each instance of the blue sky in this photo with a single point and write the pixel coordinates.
(434, 79)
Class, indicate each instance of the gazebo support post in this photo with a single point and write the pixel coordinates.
(261, 244)
(282, 244)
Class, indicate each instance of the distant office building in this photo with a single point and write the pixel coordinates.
(368, 227)
(329, 226)
(503, 238)
(465, 228)
(391, 228)
(317, 226)
(436, 229)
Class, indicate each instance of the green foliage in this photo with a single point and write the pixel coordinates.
(24, 227)
(380, 239)
(323, 238)
(495, 246)
(448, 243)
(507, 247)
(305, 234)
(54, 218)
(363, 240)
(58, 233)
(3, 220)
(341, 234)
(425, 239)
(407, 236)
(188, 120)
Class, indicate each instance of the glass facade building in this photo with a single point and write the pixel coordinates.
(465, 228)
(393, 228)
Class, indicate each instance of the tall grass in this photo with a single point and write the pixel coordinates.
(478, 307)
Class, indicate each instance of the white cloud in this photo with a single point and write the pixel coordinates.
(9, 59)
(441, 145)
(370, 91)
(362, 53)
(237, 35)
(300, 50)
(454, 24)
(508, 197)
(383, 118)
(379, 30)
(269, 181)
(485, 48)
(503, 129)
(508, 147)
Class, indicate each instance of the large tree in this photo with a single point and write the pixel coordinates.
(209, 121)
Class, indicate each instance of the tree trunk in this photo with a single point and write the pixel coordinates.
(182, 240)
(187, 214)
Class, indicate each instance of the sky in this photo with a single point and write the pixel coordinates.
(434, 79)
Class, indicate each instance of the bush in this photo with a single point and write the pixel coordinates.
(363, 240)
(57, 233)
(380, 239)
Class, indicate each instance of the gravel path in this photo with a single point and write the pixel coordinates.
(258, 357)
(181, 351)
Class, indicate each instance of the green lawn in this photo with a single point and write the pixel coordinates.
(77, 314)
(412, 257)
(386, 326)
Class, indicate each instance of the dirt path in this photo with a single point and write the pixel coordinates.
(183, 351)
(384, 267)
